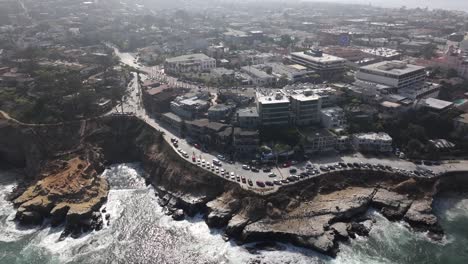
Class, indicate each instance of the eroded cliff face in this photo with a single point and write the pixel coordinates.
(316, 213)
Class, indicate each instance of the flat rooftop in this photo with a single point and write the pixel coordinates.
(196, 56)
(324, 58)
(373, 136)
(437, 104)
(393, 67)
(274, 98)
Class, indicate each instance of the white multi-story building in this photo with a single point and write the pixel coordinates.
(379, 142)
(333, 118)
(273, 109)
(258, 76)
(409, 80)
(324, 64)
(396, 74)
(198, 62)
(305, 108)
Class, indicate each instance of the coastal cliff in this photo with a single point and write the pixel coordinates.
(315, 213)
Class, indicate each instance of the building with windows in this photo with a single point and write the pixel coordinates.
(247, 118)
(318, 140)
(396, 74)
(324, 64)
(333, 118)
(375, 142)
(273, 109)
(189, 108)
(198, 62)
(305, 108)
(258, 76)
(245, 142)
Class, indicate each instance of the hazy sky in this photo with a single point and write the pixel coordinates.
(445, 4)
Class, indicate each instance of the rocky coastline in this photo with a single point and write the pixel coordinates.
(316, 213)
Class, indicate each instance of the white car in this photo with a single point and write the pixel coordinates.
(246, 167)
(232, 174)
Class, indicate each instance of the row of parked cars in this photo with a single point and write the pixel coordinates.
(377, 167)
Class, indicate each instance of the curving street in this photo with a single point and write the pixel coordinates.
(235, 172)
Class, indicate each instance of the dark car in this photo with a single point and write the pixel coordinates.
(292, 178)
(253, 169)
(266, 169)
(277, 182)
(260, 184)
(323, 168)
(284, 181)
(250, 182)
(428, 163)
(292, 170)
(343, 165)
(355, 164)
(269, 183)
(331, 167)
(350, 165)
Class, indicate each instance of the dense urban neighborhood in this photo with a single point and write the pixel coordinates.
(260, 95)
(390, 83)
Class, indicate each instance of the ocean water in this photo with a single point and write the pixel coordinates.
(139, 232)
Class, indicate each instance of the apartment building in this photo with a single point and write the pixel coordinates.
(245, 142)
(273, 109)
(376, 142)
(333, 118)
(305, 108)
(198, 62)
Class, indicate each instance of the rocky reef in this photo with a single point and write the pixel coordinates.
(69, 192)
(316, 213)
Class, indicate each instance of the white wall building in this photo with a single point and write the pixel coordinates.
(190, 63)
(380, 142)
(305, 108)
(324, 64)
(333, 118)
(408, 79)
(273, 109)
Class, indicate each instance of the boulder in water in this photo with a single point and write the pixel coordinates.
(178, 215)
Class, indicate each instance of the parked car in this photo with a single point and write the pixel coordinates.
(243, 180)
(323, 168)
(250, 182)
(293, 170)
(246, 167)
(217, 162)
(269, 183)
(221, 157)
(197, 146)
(277, 182)
(253, 169)
(260, 184)
(266, 169)
(272, 175)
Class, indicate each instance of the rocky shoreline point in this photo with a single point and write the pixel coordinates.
(70, 192)
(316, 213)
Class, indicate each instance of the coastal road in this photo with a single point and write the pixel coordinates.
(133, 104)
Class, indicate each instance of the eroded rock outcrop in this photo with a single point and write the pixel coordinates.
(392, 205)
(421, 217)
(69, 192)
